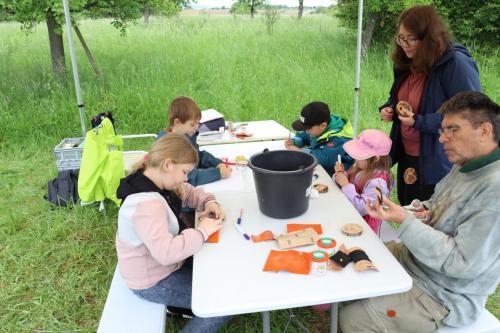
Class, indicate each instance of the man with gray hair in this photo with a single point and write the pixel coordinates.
(454, 257)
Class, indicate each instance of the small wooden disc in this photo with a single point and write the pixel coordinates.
(352, 229)
(321, 188)
(404, 109)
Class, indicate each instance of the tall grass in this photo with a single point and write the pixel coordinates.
(56, 264)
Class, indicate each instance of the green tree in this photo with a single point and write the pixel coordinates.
(379, 17)
(161, 7)
(469, 20)
(251, 5)
(473, 20)
(31, 12)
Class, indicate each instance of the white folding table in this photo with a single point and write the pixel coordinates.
(261, 130)
(228, 278)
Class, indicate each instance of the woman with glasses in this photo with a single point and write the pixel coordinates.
(428, 70)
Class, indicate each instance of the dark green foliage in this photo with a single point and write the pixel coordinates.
(469, 20)
(473, 21)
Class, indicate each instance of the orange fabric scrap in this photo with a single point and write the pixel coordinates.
(296, 227)
(263, 236)
(214, 238)
(291, 261)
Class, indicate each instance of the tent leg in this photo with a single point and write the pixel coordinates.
(358, 66)
(74, 66)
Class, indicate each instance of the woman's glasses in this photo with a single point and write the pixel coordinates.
(409, 41)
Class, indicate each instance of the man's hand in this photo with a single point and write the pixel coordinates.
(393, 212)
(424, 215)
(386, 114)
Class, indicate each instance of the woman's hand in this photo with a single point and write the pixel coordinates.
(212, 210)
(387, 113)
(408, 121)
(210, 225)
(341, 178)
(392, 213)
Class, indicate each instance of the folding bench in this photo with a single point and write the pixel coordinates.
(125, 312)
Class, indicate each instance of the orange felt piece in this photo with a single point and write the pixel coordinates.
(296, 227)
(263, 236)
(291, 261)
(214, 238)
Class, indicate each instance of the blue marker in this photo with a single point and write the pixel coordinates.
(239, 228)
(238, 221)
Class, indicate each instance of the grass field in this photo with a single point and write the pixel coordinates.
(56, 264)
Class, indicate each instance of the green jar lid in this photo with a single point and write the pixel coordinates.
(326, 241)
(318, 254)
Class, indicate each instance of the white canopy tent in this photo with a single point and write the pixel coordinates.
(77, 79)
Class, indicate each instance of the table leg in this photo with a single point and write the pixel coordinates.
(266, 322)
(334, 317)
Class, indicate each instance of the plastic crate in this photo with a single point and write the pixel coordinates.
(69, 153)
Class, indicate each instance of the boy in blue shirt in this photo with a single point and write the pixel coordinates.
(184, 118)
(322, 135)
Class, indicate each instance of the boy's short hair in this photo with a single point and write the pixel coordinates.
(312, 114)
(184, 109)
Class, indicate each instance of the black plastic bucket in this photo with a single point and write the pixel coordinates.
(282, 178)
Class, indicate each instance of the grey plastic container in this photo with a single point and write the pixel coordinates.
(69, 153)
(282, 178)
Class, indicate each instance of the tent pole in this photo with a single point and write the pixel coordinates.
(76, 79)
(358, 66)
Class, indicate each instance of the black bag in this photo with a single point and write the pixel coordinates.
(63, 190)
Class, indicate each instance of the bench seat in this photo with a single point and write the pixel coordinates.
(125, 312)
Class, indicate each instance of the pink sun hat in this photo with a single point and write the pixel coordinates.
(369, 143)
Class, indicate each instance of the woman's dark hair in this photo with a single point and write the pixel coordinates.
(428, 26)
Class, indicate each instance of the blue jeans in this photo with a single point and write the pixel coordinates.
(175, 290)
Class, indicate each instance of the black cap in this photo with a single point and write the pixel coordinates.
(312, 114)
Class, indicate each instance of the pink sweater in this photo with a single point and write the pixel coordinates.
(148, 243)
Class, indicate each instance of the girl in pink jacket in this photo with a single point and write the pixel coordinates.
(152, 243)
(370, 176)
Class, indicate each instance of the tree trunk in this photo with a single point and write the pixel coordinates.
(96, 69)
(370, 26)
(252, 11)
(147, 14)
(301, 8)
(56, 46)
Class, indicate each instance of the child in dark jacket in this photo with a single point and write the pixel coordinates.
(322, 135)
(184, 118)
